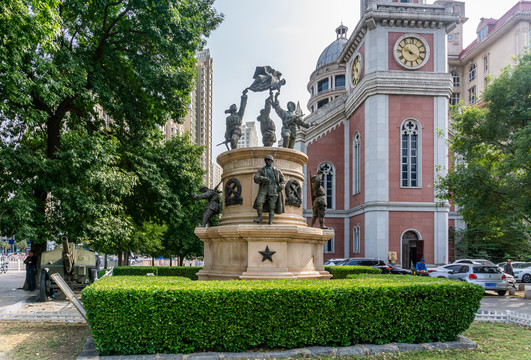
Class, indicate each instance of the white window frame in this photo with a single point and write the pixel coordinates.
(411, 127)
(332, 243)
(472, 95)
(331, 169)
(356, 240)
(455, 98)
(456, 78)
(356, 164)
(472, 72)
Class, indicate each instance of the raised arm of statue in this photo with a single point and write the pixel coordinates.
(243, 104)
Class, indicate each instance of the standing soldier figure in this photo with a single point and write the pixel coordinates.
(212, 195)
(234, 122)
(318, 199)
(267, 126)
(269, 196)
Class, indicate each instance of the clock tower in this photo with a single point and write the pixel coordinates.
(383, 142)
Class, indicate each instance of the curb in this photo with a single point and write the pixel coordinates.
(89, 351)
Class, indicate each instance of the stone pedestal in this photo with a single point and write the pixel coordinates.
(232, 249)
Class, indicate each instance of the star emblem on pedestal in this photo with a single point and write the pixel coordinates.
(267, 254)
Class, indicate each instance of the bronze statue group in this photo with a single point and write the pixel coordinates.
(270, 179)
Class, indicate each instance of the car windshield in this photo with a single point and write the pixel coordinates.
(522, 265)
(451, 267)
(484, 262)
(486, 270)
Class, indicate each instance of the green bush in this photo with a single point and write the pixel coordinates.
(183, 271)
(134, 315)
(101, 273)
(341, 272)
(134, 270)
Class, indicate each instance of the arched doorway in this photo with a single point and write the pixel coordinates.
(412, 249)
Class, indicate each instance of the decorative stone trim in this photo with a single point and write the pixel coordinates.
(309, 352)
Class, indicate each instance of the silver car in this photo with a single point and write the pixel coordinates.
(489, 277)
(442, 271)
(523, 275)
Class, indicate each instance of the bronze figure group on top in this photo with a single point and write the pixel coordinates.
(266, 78)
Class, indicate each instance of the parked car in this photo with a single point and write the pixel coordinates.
(380, 264)
(399, 271)
(333, 262)
(523, 275)
(474, 261)
(489, 277)
(442, 271)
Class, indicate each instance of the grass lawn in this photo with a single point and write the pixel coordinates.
(43, 341)
(51, 341)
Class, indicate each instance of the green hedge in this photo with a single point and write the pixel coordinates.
(183, 271)
(341, 272)
(135, 315)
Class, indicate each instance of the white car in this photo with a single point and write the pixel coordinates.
(523, 275)
(474, 262)
(442, 271)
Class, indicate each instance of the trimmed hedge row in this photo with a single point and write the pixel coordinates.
(341, 272)
(184, 271)
(135, 315)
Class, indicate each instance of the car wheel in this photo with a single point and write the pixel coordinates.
(526, 278)
(441, 277)
(501, 292)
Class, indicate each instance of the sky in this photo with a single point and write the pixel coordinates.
(288, 35)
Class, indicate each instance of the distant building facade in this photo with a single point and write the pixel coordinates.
(380, 100)
(198, 120)
(249, 136)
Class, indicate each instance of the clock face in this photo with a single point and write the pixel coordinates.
(411, 51)
(356, 70)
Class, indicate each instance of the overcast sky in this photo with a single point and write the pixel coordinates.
(288, 35)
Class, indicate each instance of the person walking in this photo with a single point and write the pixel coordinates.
(31, 270)
(508, 268)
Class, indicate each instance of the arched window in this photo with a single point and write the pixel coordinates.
(328, 182)
(410, 157)
(356, 242)
(472, 72)
(356, 164)
(456, 78)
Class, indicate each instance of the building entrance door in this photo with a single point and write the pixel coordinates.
(412, 249)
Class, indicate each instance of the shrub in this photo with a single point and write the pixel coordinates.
(341, 272)
(134, 270)
(183, 271)
(134, 315)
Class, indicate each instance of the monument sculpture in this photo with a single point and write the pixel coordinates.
(241, 247)
(212, 208)
(270, 197)
(267, 126)
(291, 119)
(234, 122)
(318, 199)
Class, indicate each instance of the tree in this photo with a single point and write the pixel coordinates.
(490, 180)
(61, 165)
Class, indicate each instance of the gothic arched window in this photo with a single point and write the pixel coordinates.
(328, 181)
(410, 146)
(356, 164)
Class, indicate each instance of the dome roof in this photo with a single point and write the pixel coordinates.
(332, 51)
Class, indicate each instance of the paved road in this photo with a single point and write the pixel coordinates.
(10, 289)
(502, 303)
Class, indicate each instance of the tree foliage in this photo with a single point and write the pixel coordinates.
(64, 169)
(490, 180)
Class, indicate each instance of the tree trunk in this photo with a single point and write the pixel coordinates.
(171, 260)
(152, 261)
(181, 260)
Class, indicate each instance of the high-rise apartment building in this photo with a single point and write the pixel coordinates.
(198, 120)
(249, 136)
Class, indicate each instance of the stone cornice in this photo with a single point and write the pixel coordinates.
(329, 116)
(398, 83)
(413, 16)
